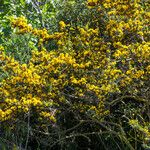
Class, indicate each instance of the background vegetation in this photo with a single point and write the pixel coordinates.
(74, 74)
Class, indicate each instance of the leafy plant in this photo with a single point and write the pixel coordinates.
(80, 81)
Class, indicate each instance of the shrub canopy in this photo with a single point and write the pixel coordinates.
(93, 67)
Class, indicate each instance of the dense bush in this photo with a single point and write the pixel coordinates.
(79, 82)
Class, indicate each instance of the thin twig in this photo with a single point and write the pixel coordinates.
(28, 132)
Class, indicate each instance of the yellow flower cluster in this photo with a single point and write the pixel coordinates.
(86, 63)
(21, 23)
(42, 34)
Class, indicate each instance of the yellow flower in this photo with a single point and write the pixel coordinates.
(62, 24)
(1, 48)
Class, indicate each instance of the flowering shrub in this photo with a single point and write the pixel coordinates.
(91, 68)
